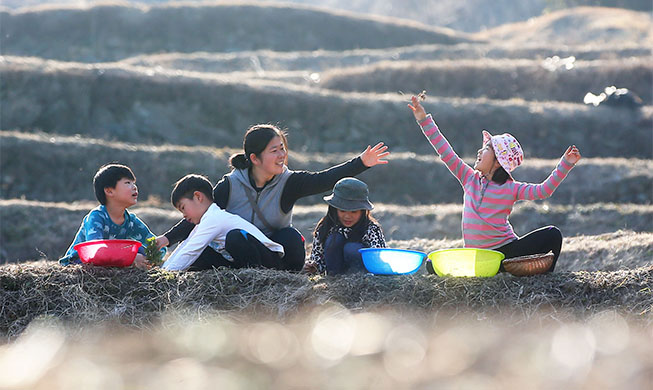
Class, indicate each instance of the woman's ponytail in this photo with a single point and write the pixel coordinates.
(239, 161)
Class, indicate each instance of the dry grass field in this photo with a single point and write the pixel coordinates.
(500, 79)
(577, 26)
(169, 89)
(108, 32)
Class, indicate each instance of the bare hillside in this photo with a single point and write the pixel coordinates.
(111, 32)
(151, 106)
(578, 26)
(258, 63)
(30, 173)
(463, 16)
(550, 79)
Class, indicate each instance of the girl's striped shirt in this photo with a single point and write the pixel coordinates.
(487, 205)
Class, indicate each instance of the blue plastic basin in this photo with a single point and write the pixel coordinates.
(389, 261)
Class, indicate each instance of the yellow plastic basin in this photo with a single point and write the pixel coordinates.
(466, 262)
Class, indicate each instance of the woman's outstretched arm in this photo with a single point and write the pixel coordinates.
(306, 183)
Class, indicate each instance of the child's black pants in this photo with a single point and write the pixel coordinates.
(543, 240)
(245, 249)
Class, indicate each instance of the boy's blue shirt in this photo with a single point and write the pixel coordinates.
(97, 225)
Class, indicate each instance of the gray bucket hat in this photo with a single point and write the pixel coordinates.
(350, 194)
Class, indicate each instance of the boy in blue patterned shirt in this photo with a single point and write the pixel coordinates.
(115, 189)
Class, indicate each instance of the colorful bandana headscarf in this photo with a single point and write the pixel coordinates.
(507, 150)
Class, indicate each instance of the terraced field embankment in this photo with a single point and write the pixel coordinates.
(113, 32)
(559, 80)
(260, 62)
(143, 105)
(157, 167)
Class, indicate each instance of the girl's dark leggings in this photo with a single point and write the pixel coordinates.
(342, 257)
(542, 240)
(245, 249)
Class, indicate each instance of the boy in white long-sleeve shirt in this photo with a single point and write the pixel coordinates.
(234, 242)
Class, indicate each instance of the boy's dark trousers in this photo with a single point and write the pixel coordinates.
(245, 249)
(292, 242)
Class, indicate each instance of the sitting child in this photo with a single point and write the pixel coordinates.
(234, 242)
(346, 228)
(115, 189)
(490, 192)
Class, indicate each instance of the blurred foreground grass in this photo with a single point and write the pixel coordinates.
(332, 347)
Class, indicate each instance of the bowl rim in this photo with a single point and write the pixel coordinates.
(466, 249)
(111, 240)
(361, 250)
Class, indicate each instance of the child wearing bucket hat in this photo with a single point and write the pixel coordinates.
(346, 228)
(490, 191)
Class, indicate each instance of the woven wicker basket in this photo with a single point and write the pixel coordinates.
(529, 265)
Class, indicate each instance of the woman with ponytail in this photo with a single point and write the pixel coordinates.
(263, 190)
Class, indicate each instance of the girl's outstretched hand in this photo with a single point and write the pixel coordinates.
(375, 155)
(572, 154)
(417, 108)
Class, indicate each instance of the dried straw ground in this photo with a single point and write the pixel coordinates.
(86, 294)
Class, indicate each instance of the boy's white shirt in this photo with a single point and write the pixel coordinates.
(213, 227)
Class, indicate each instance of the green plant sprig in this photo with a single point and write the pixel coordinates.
(152, 252)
